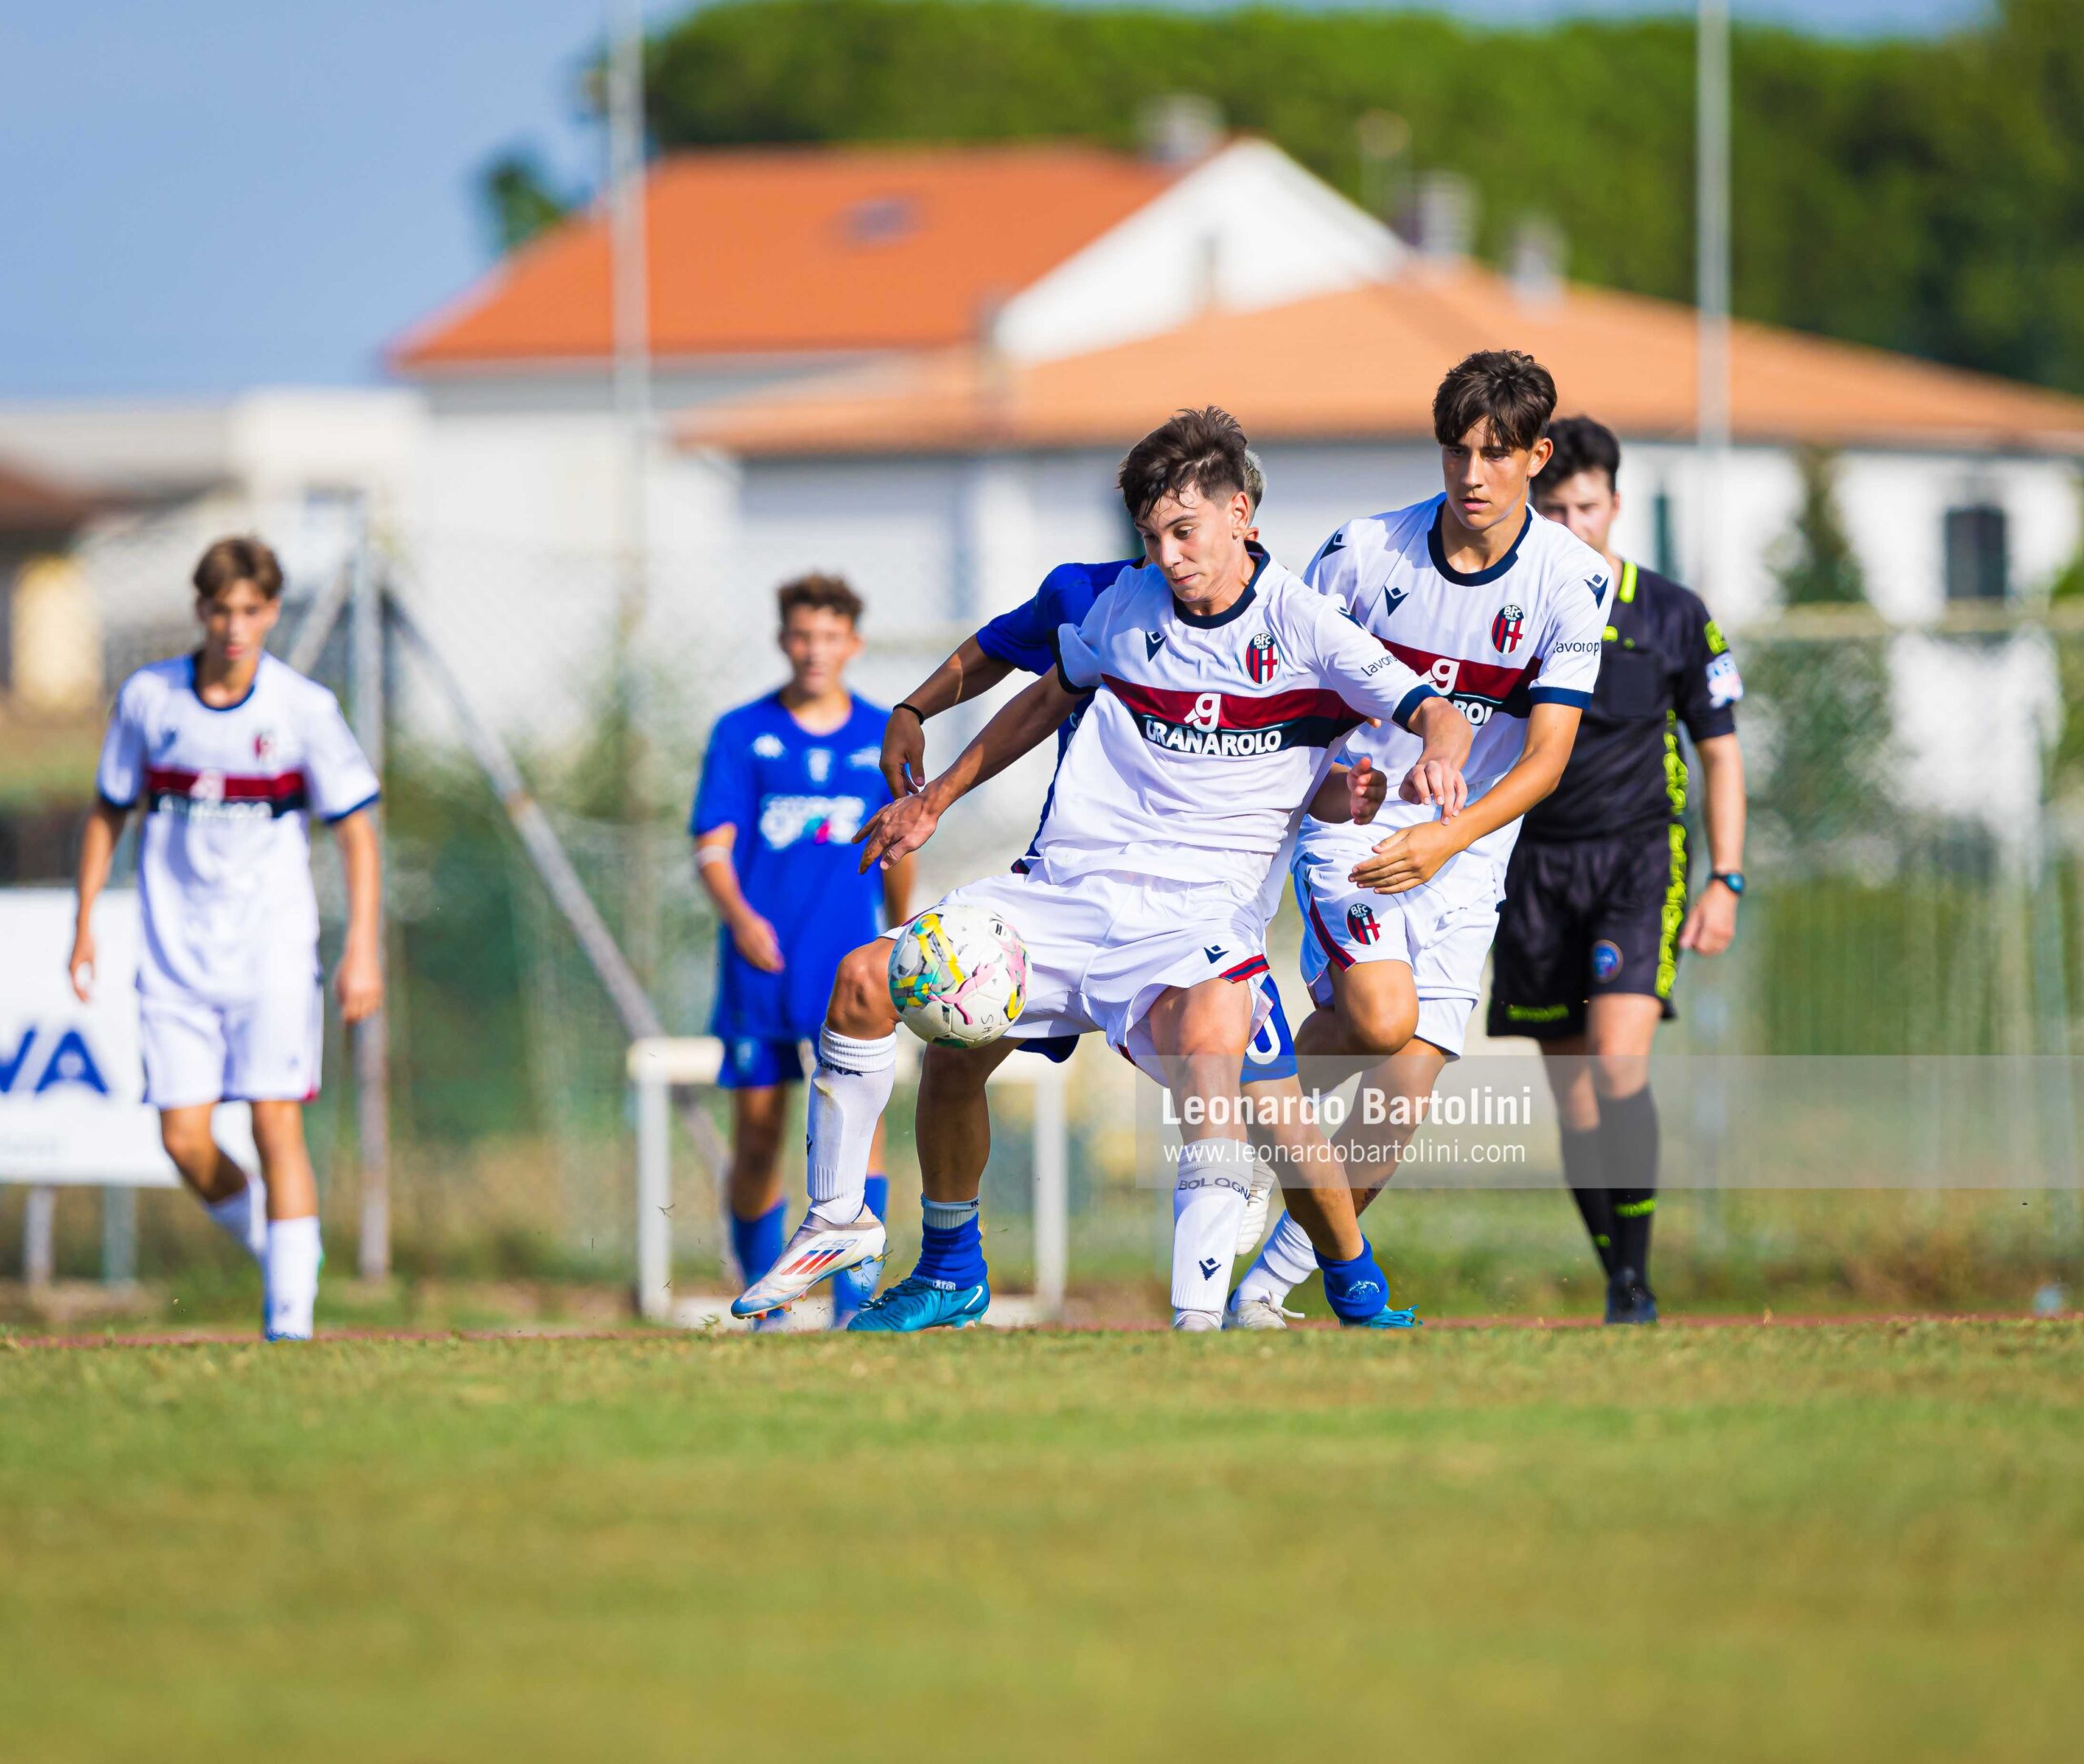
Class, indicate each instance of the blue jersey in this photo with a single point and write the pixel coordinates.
(796, 800)
(1026, 637)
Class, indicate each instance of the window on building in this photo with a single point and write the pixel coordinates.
(1977, 567)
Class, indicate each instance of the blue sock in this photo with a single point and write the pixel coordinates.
(877, 1196)
(757, 1242)
(951, 1246)
(854, 1287)
(1357, 1288)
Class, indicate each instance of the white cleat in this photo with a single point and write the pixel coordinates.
(1259, 1209)
(1243, 1313)
(1197, 1322)
(816, 1252)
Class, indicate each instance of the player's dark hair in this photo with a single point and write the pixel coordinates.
(1204, 449)
(240, 558)
(822, 593)
(1506, 389)
(1582, 446)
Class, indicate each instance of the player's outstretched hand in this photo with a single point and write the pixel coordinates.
(359, 984)
(896, 830)
(905, 755)
(1366, 790)
(79, 966)
(755, 939)
(1711, 926)
(1435, 783)
(1408, 858)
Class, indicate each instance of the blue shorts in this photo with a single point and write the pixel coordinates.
(1271, 1054)
(754, 1062)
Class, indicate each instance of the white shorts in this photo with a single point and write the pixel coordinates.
(265, 1049)
(1102, 946)
(1442, 931)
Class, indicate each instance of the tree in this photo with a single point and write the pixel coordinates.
(1818, 567)
(518, 202)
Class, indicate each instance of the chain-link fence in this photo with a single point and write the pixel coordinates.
(1915, 888)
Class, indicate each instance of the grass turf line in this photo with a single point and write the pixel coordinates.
(1857, 1543)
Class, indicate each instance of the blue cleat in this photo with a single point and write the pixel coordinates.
(1385, 1318)
(914, 1304)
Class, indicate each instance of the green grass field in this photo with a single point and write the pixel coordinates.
(1854, 1543)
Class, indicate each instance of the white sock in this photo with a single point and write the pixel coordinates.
(293, 1254)
(245, 1216)
(849, 1090)
(1207, 1204)
(1286, 1260)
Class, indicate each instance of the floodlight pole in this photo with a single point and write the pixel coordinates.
(1712, 275)
(372, 1035)
(629, 274)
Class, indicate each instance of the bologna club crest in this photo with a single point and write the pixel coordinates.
(1506, 629)
(1361, 924)
(1261, 659)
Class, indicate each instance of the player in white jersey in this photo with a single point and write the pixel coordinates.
(229, 752)
(1220, 683)
(1503, 612)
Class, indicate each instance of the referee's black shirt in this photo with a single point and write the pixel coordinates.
(1663, 663)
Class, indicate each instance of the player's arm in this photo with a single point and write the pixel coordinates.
(1022, 725)
(959, 679)
(715, 868)
(97, 851)
(1350, 794)
(1710, 688)
(1711, 921)
(897, 890)
(360, 981)
(1412, 856)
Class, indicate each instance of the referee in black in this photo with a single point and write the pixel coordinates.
(1596, 909)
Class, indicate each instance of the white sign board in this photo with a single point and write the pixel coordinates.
(71, 1084)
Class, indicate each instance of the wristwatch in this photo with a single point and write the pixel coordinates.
(1731, 879)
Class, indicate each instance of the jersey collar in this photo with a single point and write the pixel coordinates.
(1208, 620)
(1476, 579)
(218, 710)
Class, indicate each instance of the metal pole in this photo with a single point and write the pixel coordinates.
(372, 1037)
(1712, 270)
(629, 272)
(1052, 1192)
(119, 1235)
(39, 1221)
(654, 1195)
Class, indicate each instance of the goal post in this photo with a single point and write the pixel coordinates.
(658, 1064)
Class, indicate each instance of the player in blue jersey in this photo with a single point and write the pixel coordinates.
(787, 781)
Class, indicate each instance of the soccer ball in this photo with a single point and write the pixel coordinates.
(957, 975)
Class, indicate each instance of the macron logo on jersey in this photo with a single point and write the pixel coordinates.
(1153, 642)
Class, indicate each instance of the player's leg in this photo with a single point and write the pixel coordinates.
(856, 1073)
(183, 1044)
(1620, 1028)
(295, 1253)
(853, 1287)
(1200, 1033)
(1367, 1154)
(1567, 1064)
(950, 1286)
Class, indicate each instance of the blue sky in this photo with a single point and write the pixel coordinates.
(226, 192)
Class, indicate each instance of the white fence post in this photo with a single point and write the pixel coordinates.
(656, 1064)
(1052, 1192)
(39, 1217)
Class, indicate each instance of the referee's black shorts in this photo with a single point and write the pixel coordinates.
(1583, 917)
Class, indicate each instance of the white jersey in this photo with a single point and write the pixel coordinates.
(1496, 642)
(1207, 735)
(224, 862)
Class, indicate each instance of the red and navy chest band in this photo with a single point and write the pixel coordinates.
(225, 795)
(1231, 725)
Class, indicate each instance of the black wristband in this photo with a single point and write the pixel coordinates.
(908, 705)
